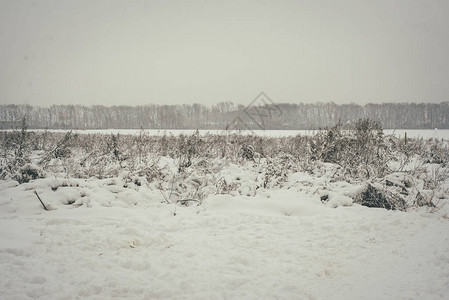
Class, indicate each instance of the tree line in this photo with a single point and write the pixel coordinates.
(224, 115)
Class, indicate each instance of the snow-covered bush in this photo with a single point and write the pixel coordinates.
(16, 148)
(201, 164)
(29, 172)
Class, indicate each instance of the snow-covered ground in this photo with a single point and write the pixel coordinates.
(272, 224)
(411, 133)
(106, 239)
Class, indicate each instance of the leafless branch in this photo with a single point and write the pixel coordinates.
(41, 201)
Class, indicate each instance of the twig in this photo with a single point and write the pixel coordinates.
(172, 184)
(61, 143)
(187, 200)
(42, 231)
(162, 193)
(41, 201)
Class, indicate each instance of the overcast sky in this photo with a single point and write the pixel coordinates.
(139, 52)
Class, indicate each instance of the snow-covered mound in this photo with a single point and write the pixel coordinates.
(115, 239)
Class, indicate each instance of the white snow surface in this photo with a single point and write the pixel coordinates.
(100, 240)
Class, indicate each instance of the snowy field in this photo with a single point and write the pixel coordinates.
(124, 244)
(253, 234)
(411, 133)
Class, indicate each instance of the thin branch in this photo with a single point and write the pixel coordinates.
(187, 200)
(41, 201)
(172, 184)
(162, 193)
(61, 143)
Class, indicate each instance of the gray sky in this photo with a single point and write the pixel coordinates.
(139, 52)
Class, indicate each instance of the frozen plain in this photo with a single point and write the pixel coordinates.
(102, 240)
(125, 243)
